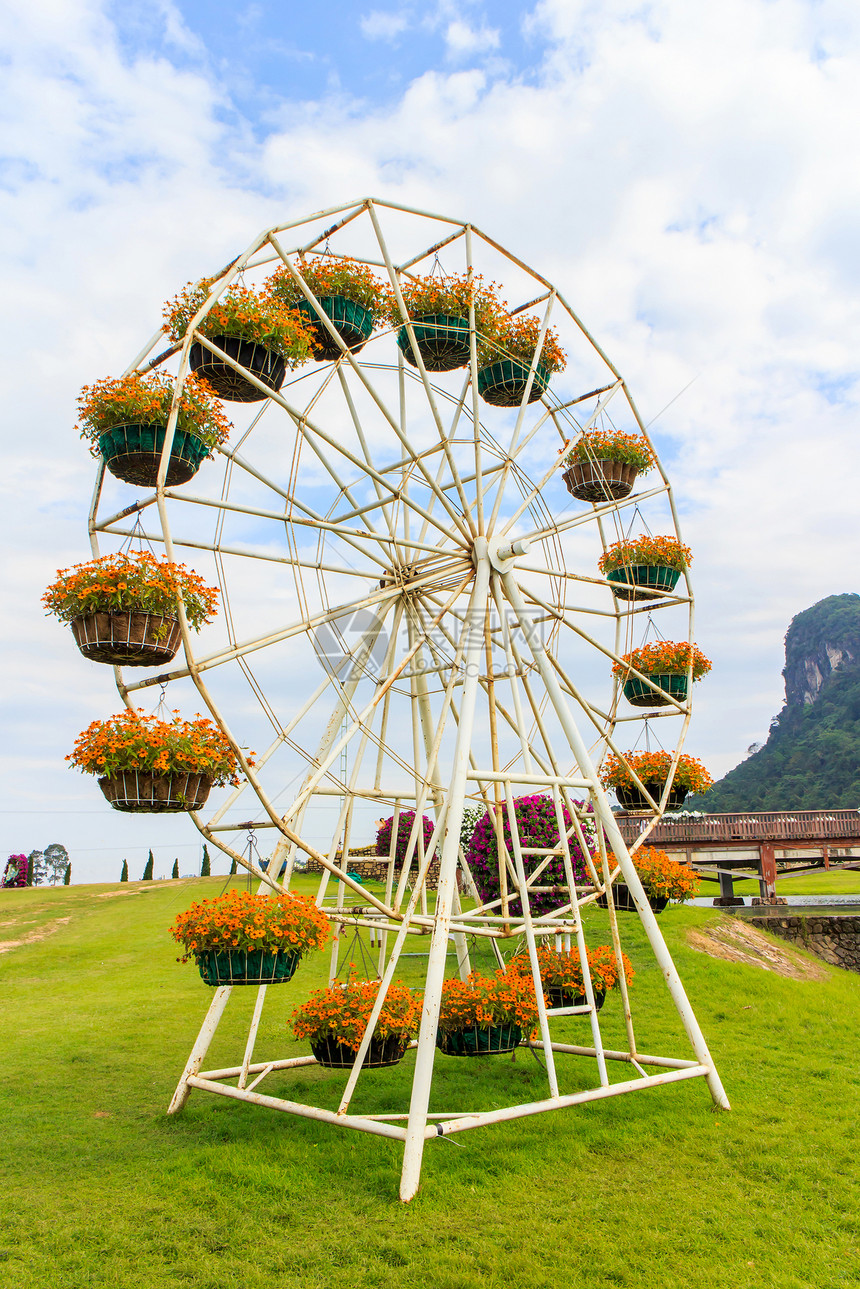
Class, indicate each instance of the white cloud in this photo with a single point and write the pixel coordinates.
(462, 40)
(382, 24)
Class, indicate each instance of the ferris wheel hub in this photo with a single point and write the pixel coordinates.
(503, 553)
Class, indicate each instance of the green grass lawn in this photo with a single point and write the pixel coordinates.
(654, 1189)
(819, 882)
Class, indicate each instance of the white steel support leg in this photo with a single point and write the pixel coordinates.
(201, 1046)
(252, 1035)
(607, 819)
(420, 1100)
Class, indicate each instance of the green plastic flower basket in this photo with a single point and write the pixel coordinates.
(491, 1040)
(640, 580)
(247, 966)
(503, 384)
(351, 321)
(640, 695)
(442, 340)
(133, 453)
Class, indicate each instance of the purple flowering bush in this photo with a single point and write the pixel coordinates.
(15, 873)
(404, 828)
(536, 825)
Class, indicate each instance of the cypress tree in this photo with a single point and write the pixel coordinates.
(206, 868)
(30, 871)
(124, 875)
(175, 872)
(233, 869)
(147, 872)
(68, 877)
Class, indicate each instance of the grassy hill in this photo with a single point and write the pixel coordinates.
(102, 1189)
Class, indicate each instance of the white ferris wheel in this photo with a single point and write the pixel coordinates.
(414, 620)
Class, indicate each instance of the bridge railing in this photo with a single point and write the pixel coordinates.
(772, 825)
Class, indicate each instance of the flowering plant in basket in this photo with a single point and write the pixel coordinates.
(662, 877)
(326, 275)
(506, 998)
(666, 552)
(537, 829)
(653, 767)
(517, 337)
(404, 828)
(15, 872)
(133, 580)
(255, 316)
(449, 296)
(563, 971)
(612, 445)
(147, 400)
(131, 740)
(248, 922)
(665, 658)
(342, 1013)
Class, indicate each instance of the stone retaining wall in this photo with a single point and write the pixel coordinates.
(835, 939)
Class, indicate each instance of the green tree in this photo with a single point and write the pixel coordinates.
(147, 872)
(175, 872)
(56, 861)
(206, 867)
(68, 877)
(233, 869)
(124, 874)
(30, 871)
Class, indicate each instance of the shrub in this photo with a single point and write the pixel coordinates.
(132, 740)
(15, 872)
(404, 828)
(244, 921)
(132, 580)
(146, 400)
(536, 825)
(342, 1013)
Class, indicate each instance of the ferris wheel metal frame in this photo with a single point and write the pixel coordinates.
(455, 569)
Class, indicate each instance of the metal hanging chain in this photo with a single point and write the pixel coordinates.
(637, 513)
(252, 849)
(137, 534)
(370, 970)
(161, 711)
(651, 629)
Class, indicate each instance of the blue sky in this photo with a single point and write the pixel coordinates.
(687, 174)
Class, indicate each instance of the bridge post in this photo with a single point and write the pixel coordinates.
(767, 868)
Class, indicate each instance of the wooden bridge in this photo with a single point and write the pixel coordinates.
(821, 831)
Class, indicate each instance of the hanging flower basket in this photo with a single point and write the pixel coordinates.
(503, 383)
(266, 364)
(663, 879)
(536, 820)
(145, 764)
(506, 351)
(256, 330)
(122, 607)
(349, 294)
(240, 938)
(486, 1015)
(335, 1019)
(125, 422)
(604, 465)
(562, 978)
(438, 308)
(623, 900)
(640, 568)
(247, 966)
(442, 340)
(667, 664)
(135, 792)
(652, 768)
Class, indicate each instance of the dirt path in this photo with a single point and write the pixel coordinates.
(737, 941)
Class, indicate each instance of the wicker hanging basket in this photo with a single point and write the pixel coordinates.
(246, 966)
(133, 453)
(442, 340)
(640, 580)
(600, 481)
(631, 798)
(381, 1052)
(136, 792)
(351, 321)
(641, 695)
(127, 638)
(503, 383)
(487, 1040)
(269, 368)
